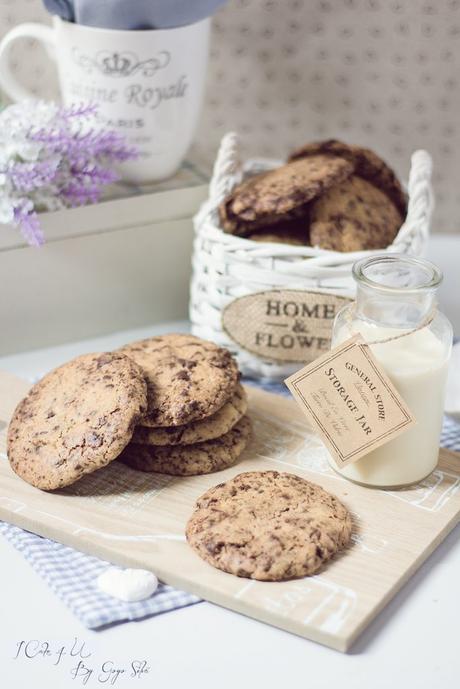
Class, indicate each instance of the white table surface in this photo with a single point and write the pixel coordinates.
(413, 643)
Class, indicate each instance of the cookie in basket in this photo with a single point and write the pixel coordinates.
(280, 194)
(366, 163)
(295, 232)
(188, 378)
(268, 525)
(354, 216)
(190, 460)
(209, 428)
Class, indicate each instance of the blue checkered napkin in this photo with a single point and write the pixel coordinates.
(450, 436)
(72, 576)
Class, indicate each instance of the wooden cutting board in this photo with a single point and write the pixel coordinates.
(135, 519)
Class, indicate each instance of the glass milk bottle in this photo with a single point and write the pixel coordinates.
(396, 295)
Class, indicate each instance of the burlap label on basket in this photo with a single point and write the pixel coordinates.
(283, 325)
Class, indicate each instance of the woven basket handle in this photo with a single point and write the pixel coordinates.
(415, 230)
(227, 169)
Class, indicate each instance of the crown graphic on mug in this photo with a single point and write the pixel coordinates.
(121, 64)
(147, 84)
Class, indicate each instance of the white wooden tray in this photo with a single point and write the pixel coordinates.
(138, 520)
(119, 264)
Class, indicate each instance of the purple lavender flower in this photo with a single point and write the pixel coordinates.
(30, 226)
(58, 158)
(78, 110)
(26, 177)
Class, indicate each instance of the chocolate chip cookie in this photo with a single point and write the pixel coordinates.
(354, 216)
(190, 460)
(295, 232)
(281, 194)
(188, 378)
(366, 163)
(197, 431)
(77, 419)
(269, 526)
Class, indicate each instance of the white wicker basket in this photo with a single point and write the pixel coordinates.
(226, 267)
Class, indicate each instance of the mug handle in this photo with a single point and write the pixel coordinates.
(8, 81)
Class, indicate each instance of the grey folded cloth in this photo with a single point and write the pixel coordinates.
(63, 8)
(133, 14)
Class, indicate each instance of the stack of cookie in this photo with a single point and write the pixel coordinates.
(180, 396)
(330, 195)
(195, 421)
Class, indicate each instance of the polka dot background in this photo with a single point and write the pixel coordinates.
(383, 73)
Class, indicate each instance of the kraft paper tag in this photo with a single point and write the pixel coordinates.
(283, 325)
(350, 401)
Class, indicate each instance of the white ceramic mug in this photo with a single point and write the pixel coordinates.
(148, 84)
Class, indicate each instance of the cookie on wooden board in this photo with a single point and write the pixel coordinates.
(280, 194)
(269, 526)
(197, 431)
(190, 460)
(76, 419)
(188, 378)
(367, 164)
(354, 216)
